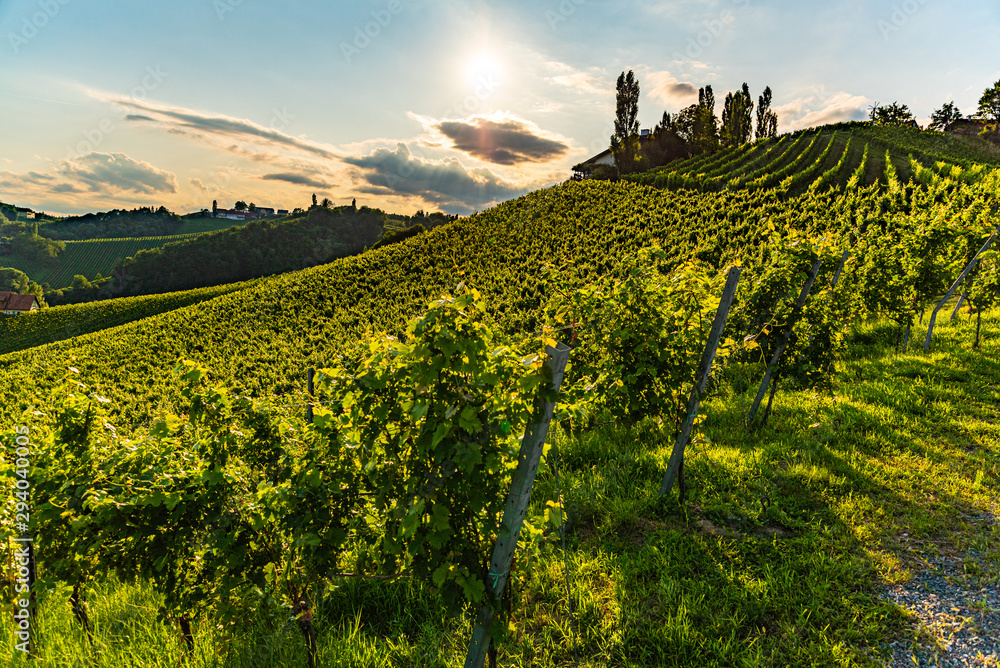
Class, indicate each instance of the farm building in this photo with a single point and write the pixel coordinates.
(15, 304)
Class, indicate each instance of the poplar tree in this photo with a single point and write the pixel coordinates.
(767, 120)
(625, 140)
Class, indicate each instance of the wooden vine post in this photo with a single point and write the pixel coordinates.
(302, 608)
(517, 506)
(676, 463)
(951, 290)
(785, 336)
(310, 374)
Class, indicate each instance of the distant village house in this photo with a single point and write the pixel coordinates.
(259, 212)
(15, 304)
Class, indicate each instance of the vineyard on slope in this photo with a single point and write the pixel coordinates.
(64, 322)
(815, 266)
(87, 258)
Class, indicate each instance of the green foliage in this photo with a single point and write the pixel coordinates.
(115, 224)
(637, 341)
(65, 322)
(767, 119)
(989, 104)
(259, 248)
(625, 140)
(435, 420)
(765, 306)
(891, 114)
(737, 118)
(942, 119)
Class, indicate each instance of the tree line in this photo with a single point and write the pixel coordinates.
(697, 129)
(693, 130)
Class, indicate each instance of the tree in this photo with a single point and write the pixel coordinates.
(666, 144)
(736, 118)
(683, 123)
(314, 199)
(241, 206)
(253, 207)
(767, 120)
(705, 133)
(625, 140)
(893, 114)
(326, 203)
(989, 104)
(945, 117)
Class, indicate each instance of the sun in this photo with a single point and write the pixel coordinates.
(484, 67)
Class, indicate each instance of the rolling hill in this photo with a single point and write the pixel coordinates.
(790, 532)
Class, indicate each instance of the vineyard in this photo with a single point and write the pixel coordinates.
(756, 409)
(66, 322)
(87, 258)
(846, 155)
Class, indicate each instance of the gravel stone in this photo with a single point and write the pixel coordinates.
(961, 614)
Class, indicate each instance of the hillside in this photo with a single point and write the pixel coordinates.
(589, 225)
(85, 258)
(791, 532)
(829, 156)
(59, 323)
(121, 223)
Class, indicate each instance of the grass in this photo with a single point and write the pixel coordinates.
(777, 558)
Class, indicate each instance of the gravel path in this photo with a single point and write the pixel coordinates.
(960, 613)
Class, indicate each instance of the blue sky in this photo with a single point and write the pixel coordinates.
(412, 104)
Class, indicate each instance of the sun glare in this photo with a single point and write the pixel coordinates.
(484, 67)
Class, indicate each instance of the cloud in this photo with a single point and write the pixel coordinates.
(110, 174)
(117, 171)
(297, 179)
(501, 139)
(446, 183)
(221, 128)
(808, 112)
(671, 92)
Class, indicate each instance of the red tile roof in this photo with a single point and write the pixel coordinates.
(14, 302)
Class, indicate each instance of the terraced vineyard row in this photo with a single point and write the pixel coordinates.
(811, 160)
(66, 322)
(87, 258)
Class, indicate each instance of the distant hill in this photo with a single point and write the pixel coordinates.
(259, 248)
(122, 223)
(84, 258)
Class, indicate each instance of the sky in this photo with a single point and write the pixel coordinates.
(450, 105)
